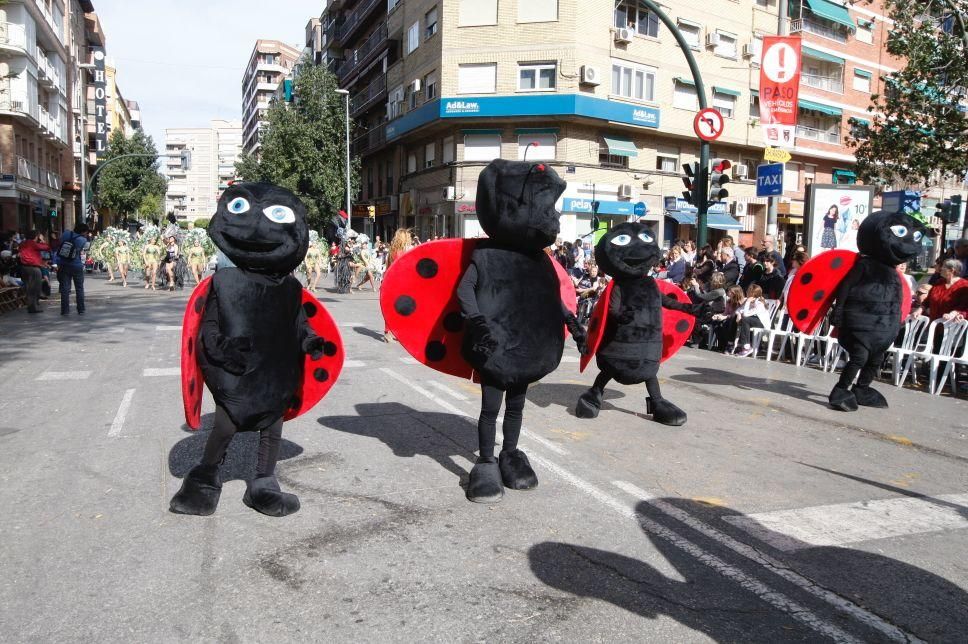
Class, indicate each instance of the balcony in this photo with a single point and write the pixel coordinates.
(13, 103)
(827, 83)
(47, 74)
(370, 141)
(346, 31)
(813, 26)
(366, 52)
(49, 18)
(27, 170)
(13, 36)
(367, 97)
(823, 136)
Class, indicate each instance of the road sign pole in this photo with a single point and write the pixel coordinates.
(772, 211)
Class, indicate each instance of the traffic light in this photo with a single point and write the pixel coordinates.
(718, 178)
(949, 210)
(690, 180)
(371, 212)
(186, 159)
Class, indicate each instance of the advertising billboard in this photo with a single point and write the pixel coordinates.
(834, 213)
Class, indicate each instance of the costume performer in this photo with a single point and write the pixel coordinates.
(266, 348)
(627, 327)
(872, 299)
(313, 264)
(494, 309)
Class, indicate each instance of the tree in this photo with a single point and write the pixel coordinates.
(919, 126)
(304, 145)
(123, 186)
(248, 168)
(152, 206)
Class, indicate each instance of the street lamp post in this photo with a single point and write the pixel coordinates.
(349, 212)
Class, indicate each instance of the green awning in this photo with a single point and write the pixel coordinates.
(840, 172)
(725, 90)
(821, 55)
(685, 81)
(858, 121)
(832, 11)
(817, 107)
(620, 146)
(866, 24)
(862, 72)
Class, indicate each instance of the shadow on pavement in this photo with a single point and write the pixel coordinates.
(362, 330)
(546, 394)
(240, 460)
(706, 601)
(409, 432)
(706, 376)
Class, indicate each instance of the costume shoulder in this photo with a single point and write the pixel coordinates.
(815, 286)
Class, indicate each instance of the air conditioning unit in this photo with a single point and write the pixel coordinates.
(448, 193)
(712, 39)
(624, 35)
(415, 85)
(625, 190)
(749, 50)
(741, 171)
(591, 75)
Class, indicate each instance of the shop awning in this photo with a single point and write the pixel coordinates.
(832, 11)
(725, 90)
(683, 217)
(862, 72)
(620, 146)
(722, 222)
(818, 107)
(848, 174)
(821, 55)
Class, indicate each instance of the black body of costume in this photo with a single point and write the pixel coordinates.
(631, 345)
(254, 336)
(511, 298)
(867, 310)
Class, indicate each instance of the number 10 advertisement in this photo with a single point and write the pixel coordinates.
(833, 215)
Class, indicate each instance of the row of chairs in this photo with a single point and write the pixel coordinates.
(942, 345)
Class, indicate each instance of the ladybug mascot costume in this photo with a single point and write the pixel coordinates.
(265, 347)
(870, 298)
(495, 310)
(637, 323)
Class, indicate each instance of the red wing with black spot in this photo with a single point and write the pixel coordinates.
(815, 286)
(596, 326)
(418, 298)
(319, 376)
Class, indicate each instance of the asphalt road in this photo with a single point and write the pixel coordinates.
(767, 517)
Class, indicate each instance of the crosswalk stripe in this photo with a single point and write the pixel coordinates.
(447, 390)
(353, 364)
(64, 375)
(162, 327)
(843, 523)
(166, 371)
(409, 360)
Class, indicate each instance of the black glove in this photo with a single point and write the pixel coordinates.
(233, 352)
(482, 342)
(578, 332)
(698, 309)
(314, 345)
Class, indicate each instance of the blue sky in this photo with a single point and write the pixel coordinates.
(182, 60)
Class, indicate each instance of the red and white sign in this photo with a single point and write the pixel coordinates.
(708, 124)
(779, 86)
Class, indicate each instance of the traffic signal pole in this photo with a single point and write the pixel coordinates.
(702, 189)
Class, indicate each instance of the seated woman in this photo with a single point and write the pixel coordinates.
(724, 323)
(714, 295)
(675, 265)
(752, 315)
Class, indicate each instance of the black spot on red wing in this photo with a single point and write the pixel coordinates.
(191, 387)
(837, 263)
(454, 322)
(803, 314)
(427, 268)
(329, 349)
(436, 351)
(682, 326)
(405, 305)
(806, 278)
(199, 304)
(321, 374)
(819, 295)
(191, 345)
(310, 309)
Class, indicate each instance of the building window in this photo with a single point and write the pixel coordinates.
(859, 128)
(630, 14)
(543, 151)
(809, 174)
(725, 103)
(667, 158)
(430, 82)
(392, 4)
(757, 50)
(395, 103)
(791, 177)
(413, 96)
(411, 163)
(536, 78)
(430, 154)
(862, 81)
(685, 96)
(482, 147)
(727, 45)
(755, 106)
(413, 37)
(477, 78)
(607, 160)
(537, 10)
(447, 150)
(477, 13)
(430, 23)
(633, 81)
(865, 32)
(691, 31)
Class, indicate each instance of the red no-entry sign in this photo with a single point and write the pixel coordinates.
(708, 124)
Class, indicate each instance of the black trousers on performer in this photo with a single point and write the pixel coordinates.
(491, 398)
(225, 430)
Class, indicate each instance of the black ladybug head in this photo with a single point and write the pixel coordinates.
(891, 238)
(516, 203)
(628, 250)
(261, 228)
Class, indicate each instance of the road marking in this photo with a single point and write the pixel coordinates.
(774, 565)
(834, 525)
(64, 375)
(106, 330)
(353, 364)
(167, 328)
(166, 371)
(351, 324)
(572, 359)
(447, 390)
(409, 360)
(122, 413)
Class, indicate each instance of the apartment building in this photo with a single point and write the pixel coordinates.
(194, 192)
(269, 64)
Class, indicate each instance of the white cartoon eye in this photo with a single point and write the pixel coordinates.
(238, 205)
(918, 236)
(899, 231)
(280, 214)
(622, 240)
(646, 237)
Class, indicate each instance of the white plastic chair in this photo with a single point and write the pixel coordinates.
(915, 329)
(814, 344)
(783, 328)
(951, 366)
(757, 334)
(952, 332)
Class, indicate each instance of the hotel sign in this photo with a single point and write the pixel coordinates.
(100, 103)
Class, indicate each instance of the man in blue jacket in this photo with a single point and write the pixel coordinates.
(70, 267)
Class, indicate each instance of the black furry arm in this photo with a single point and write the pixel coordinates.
(575, 328)
(467, 293)
(308, 340)
(221, 351)
(669, 302)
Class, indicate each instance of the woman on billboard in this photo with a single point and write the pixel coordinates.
(829, 238)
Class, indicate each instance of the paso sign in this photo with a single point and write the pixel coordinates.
(779, 86)
(776, 155)
(769, 180)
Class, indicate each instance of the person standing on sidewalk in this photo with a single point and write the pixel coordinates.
(31, 265)
(70, 267)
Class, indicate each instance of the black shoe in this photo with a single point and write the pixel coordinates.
(868, 397)
(516, 472)
(589, 404)
(199, 492)
(842, 399)
(665, 412)
(263, 495)
(485, 484)
(35, 311)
